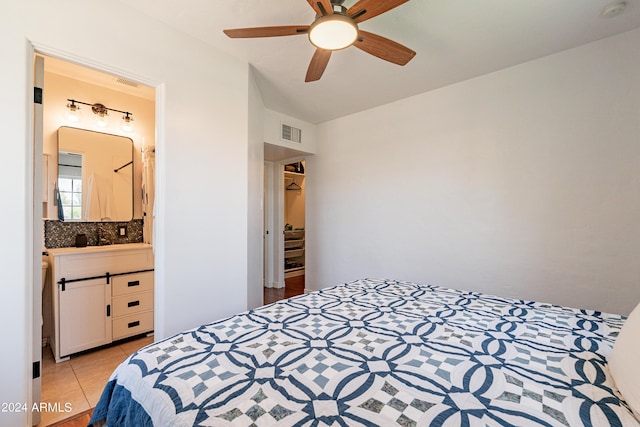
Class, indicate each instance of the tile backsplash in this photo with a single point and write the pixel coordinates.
(61, 234)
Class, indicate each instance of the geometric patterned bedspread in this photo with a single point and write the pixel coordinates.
(378, 353)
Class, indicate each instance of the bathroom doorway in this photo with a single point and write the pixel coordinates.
(61, 82)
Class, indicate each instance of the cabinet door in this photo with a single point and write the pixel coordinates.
(85, 318)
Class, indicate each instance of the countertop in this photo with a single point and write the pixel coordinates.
(104, 248)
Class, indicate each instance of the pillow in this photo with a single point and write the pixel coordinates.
(624, 362)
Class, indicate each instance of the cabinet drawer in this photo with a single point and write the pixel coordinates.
(132, 283)
(130, 304)
(132, 325)
(79, 264)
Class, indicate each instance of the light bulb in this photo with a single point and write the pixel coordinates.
(102, 114)
(73, 113)
(101, 119)
(127, 123)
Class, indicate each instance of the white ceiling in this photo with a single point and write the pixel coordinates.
(88, 75)
(454, 39)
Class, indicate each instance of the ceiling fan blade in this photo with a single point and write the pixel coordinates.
(384, 48)
(288, 30)
(318, 64)
(367, 9)
(319, 5)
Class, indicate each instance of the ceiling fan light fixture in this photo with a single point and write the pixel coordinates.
(333, 32)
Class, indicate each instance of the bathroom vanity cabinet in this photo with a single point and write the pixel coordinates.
(100, 294)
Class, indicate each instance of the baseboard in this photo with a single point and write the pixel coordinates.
(275, 285)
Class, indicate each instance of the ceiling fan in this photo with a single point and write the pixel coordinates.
(335, 28)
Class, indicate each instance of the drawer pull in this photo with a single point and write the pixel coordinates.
(134, 283)
(133, 324)
(133, 303)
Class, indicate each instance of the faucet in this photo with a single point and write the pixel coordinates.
(103, 236)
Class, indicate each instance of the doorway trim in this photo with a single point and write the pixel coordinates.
(269, 231)
(274, 198)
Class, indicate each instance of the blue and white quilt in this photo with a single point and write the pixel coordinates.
(378, 353)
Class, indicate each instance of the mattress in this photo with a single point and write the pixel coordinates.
(378, 353)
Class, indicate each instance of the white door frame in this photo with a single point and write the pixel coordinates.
(274, 203)
(274, 244)
(37, 239)
(269, 225)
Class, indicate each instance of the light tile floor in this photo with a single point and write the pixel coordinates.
(80, 380)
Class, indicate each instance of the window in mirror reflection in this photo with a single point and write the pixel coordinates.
(70, 184)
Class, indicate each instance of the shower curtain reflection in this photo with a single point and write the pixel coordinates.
(148, 191)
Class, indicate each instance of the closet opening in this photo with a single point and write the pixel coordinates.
(285, 228)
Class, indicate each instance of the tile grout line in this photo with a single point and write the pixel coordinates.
(83, 387)
(79, 384)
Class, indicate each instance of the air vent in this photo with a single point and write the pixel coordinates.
(290, 133)
(126, 82)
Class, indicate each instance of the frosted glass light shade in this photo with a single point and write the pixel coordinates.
(127, 123)
(73, 113)
(101, 119)
(333, 32)
(102, 114)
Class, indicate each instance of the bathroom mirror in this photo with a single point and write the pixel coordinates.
(95, 176)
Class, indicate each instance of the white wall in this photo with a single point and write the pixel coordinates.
(202, 159)
(273, 121)
(255, 211)
(524, 183)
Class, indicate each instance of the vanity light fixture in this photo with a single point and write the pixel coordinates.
(102, 114)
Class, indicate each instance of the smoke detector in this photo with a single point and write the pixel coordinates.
(614, 9)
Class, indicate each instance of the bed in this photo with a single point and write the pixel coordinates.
(378, 353)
